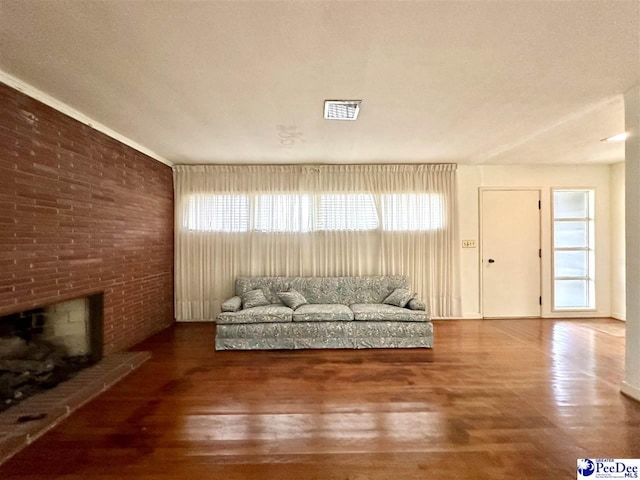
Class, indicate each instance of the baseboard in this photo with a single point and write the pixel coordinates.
(569, 315)
(630, 391)
(572, 315)
(197, 320)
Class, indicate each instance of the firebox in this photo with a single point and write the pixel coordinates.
(44, 346)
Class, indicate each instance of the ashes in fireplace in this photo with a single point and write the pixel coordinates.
(42, 347)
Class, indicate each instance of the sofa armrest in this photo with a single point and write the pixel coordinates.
(232, 305)
(417, 304)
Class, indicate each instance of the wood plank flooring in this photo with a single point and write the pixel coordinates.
(495, 399)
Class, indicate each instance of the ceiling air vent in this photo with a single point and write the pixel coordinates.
(341, 109)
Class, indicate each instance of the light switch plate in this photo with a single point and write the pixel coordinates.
(468, 244)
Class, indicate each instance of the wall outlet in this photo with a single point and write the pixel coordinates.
(468, 244)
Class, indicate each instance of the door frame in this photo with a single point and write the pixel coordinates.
(481, 191)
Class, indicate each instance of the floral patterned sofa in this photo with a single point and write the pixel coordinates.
(323, 312)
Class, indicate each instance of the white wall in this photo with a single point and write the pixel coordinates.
(472, 178)
(631, 383)
(616, 220)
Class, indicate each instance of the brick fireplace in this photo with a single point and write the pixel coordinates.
(76, 325)
(45, 346)
(70, 324)
(82, 216)
(82, 213)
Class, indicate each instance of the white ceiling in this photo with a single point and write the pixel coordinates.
(480, 82)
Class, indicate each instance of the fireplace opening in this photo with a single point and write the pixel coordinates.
(41, 347)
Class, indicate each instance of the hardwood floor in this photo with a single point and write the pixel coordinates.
(495, 399)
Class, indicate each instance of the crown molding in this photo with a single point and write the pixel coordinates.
(62, 107)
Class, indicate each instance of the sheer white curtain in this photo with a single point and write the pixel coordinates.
(314, 221)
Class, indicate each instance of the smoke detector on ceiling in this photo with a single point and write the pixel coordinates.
(341, 109)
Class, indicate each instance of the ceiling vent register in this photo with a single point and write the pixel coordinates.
(341, 109)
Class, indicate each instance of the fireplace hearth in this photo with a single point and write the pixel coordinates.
(42, 347)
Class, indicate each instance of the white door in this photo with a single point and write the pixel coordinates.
(510, 256)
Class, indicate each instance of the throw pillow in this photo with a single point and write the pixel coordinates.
(292, 299)
(399, 297)
(232, 305)
(254, 298)
(415, 304)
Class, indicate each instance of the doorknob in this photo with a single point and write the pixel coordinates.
(491, 260)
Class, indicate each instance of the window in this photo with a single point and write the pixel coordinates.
(413, 212)
(301, 212)
(218, 213)
(347, 212)
(573, 250)
(283, 213)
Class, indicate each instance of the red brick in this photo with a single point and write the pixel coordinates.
(82, 213)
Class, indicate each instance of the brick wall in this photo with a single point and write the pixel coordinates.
(82, 213)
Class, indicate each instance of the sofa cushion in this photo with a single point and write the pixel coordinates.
(399, 297)
(320, 312)
(384, 312)
(261, 314)
(292, 298)
(254, 298)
